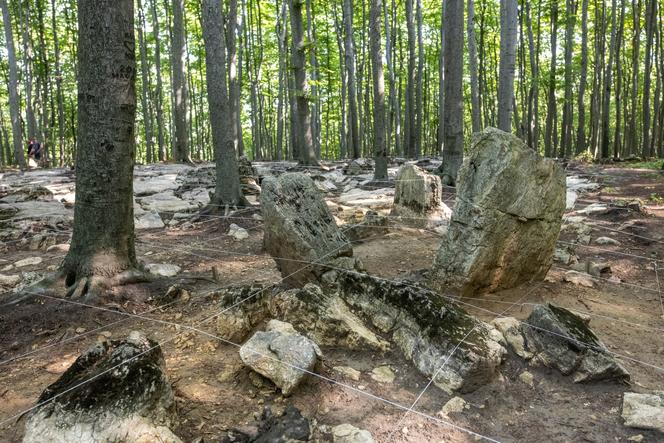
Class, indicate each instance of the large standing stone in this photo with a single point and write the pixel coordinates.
(280, 354)
(300, 232)
(418, 198)
(115, 391)
(506, 220)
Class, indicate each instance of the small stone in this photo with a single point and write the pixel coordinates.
(9, 280)
(579, 278)
(64, 247)
(237, 232)
(7, 268)
(163, 269)
(383, 374)
(607, 241)
(347, 433)
(527, 378)
(30, 261)
(454, 405)
(107, 334)
(348, 372)
(80, 330)
(636, 438)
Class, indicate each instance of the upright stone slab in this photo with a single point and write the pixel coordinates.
(300, 232)
(506, 220)
(418, 198)
(115, 391)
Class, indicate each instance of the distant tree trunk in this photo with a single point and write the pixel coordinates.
(533, 94)
(549, 149)
(606, 104)
(566, 138)
(227, 190)
(419, 105)
(303, 135)
(409, 125)
(380, 173)
(234, 29)
(453, 47)
(27, 70)
(651, 17)
(581, 127)
(102, 246)
(441, 82)
(14, 104)
(145, 108)
(315, 118)
(180, 89)
(619, 80)
(509, 22)
(349, 50)
(633, 139)
(282, 30)
(472, 65)
(161, 149)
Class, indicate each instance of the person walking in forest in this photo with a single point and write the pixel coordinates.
(35, 150)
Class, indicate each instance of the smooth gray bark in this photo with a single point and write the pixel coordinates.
(14, 105)
(410, 129)
(583, 81)
(227, 190)
(651, 17)
(145, 108)
(566, 136)
(161, 148)
(608, 85)
(549, 148)
(180, 88)
(453, 47)
(351, 75)
(472, 66)
(380, 172)
(509, 22)
(235, 25)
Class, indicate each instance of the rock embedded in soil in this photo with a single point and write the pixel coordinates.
(348, 372)
(454, 405)
(289, 427)
(347, 433)
(562, 340)
(506, 220)
(607, 241)
(163, 269)
(644, 411)
(280, 354)
(126, 397)
(237, 232)
(299, 230)
(9, 280)
(418, 199)
(579, 278)
(383, 374)
(30, 261)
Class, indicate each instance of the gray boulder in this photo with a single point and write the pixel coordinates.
(560, 339)
(347, 433)
(506, 220)
(299, 230)
(126, 397)
(644, 411)
(280, 354)
(418, 198)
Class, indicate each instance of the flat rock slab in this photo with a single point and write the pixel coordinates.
(644, 411)
(280, 354)
(506, 220)
(299, 230)
(126, 397)
(163, 269)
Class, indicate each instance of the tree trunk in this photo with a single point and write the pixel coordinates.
(509, 22)
(472, 66)
(303, 135)
(606, 104)
(102, 245)
(227, 190)
(145, 108)
(161, 149)
(651, 17)
(180, 89)
(453, 47)
(581, 126)
(566, 137)
(282, 31)
(349, 50)
(235, 25)
(419, 105)
(409, 126)
(380, 173)
(549, 149)
(633, 139)
(14, 104)
(619, 80)
(27, 70)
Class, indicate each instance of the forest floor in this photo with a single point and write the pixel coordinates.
(215, 393)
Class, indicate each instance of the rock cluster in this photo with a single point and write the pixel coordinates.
(418, 198)
(506, 220)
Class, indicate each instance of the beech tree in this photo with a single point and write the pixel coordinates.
(508, 32)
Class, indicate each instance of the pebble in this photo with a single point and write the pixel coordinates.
(527, 378)
(383, 374)
(30, 261)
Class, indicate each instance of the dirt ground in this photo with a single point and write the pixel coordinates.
(215, 393)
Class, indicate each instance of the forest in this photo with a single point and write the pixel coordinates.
(588, 76)
(266, 221)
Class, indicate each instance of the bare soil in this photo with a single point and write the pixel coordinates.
(215, 393)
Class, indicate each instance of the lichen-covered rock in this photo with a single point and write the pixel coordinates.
(644, 411)
(280, 354)
(299, 230)
(249, 180)
(562, 340)
(506, 220)
(418, 198)
(369, 225)
(125, 397)
(426, 328)
(347, 433)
